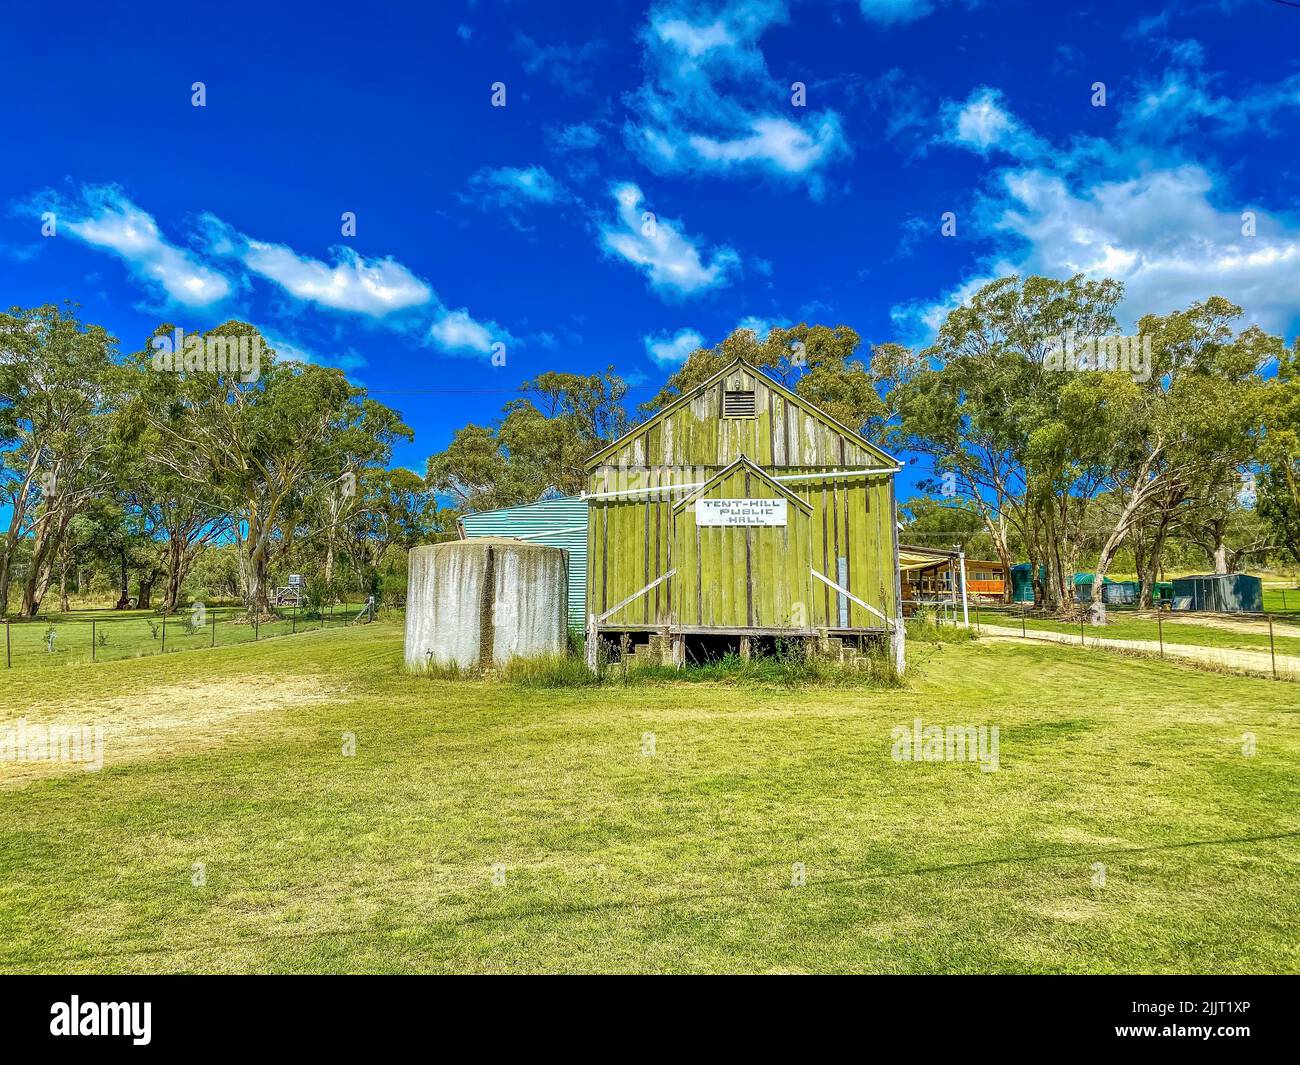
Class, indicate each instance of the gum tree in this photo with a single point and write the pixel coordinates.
(541, 441)
(998, 424)
(61, 438)
(263, 450)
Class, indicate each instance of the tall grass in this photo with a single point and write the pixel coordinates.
(923, 628)
(787, 668)
(549, 671)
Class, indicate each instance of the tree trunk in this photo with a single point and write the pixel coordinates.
(44, 548)
(257, 600)
(1149, 569)
(123, 584)
(145, 598)
(1111, 546)
(14, 532)
(175, 568)
(173, 594)
(1210, 538)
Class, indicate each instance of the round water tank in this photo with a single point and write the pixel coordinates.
(479, 603)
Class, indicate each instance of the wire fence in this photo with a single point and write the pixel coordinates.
(67, 639)
(1264, 644)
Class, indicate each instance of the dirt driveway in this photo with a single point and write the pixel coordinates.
(1260, 663)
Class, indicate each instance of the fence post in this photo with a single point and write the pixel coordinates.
(295, 616)
(92, 639)
(977, 615)
(1022, 621)
(1082, 642)
(1160, 632)
(214, 630)
(164, 639)
(1272, 653)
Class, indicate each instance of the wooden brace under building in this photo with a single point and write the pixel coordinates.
(741, 510)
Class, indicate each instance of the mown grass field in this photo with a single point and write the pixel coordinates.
(676, 861)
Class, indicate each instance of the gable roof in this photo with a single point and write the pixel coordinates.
(769, 382)
(746, 463)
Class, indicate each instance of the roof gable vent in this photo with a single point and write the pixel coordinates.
(738, 405)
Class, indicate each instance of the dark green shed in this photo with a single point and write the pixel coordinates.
(1226, 593)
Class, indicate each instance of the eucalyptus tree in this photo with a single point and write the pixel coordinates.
(261, 446)
(1184, 440)
(1280, 451)
(541, 441)
(1000, 424)
(60, 435)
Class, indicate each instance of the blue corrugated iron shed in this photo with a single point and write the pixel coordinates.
(559, 522)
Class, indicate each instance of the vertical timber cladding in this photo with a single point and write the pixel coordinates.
(638, 533)
(747, 570)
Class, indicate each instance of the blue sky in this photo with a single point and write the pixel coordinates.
(520, 228)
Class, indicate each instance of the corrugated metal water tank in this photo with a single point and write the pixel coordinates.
(479, 603)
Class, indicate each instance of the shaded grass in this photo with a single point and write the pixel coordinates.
(680, 861)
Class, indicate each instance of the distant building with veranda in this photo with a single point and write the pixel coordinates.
(741, 512)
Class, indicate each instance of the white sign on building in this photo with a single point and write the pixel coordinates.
(740, 512)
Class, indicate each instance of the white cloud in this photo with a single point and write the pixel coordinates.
(459, 333)
(105, 218)
(578, 137)
(895, 11)
(562, 64)
(672, 350)
(709, 104)
(1184, 100)
(380, 288)
(512, 187)
(1133, 208)
(694, 40)
(776, 142)
(982, 123)
(374, 287)
(658, 247)
(1163, 236)
(1163, 233)
(760, 326)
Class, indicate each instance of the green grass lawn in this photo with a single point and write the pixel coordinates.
(680, 860)
(1125, 626)
(1282, 599)
(131, 633)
